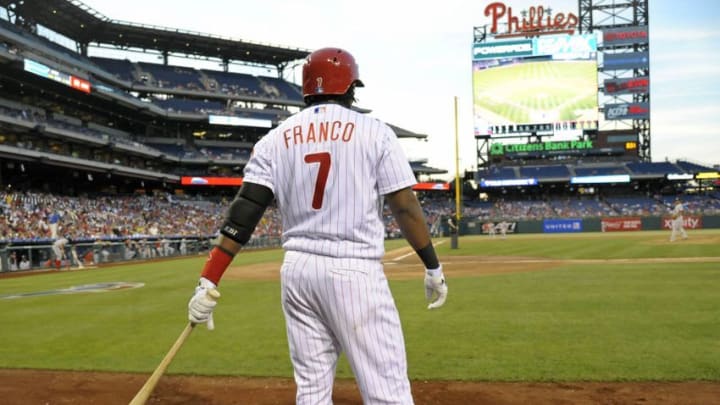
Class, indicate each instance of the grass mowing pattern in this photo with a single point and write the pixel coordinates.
(574, 322)
(537, 92)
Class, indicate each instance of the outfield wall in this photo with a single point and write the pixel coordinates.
(475, 226)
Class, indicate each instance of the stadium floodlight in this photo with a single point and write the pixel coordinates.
(613, 178)
(509, 182)
(679, 176)
(238, 121)
(707, 175)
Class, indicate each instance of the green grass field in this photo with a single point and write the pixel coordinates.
(593, 320)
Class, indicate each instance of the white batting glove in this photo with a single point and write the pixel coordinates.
(435, 286)
(202, 303)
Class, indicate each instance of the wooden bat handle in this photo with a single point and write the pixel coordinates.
(142, 396)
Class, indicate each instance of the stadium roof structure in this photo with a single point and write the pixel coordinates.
(419, 166)
(84, 25)
(404, 133)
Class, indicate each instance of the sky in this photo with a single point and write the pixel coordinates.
(415, 60)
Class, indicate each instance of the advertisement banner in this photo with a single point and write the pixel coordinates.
(431, 186)
(631, 60)
(625, 36)
(627, 111)
(210, 181)
(562, 225)
(493, 228)
(566, 47)
(621, 224)
(689, 222)
(504, 49)
(632, 85)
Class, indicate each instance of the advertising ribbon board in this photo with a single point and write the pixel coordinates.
(562, 225)
(689, 222)
(621, 224)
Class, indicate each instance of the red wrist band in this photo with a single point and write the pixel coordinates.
(216, 264)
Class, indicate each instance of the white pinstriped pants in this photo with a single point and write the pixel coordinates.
(334, 305)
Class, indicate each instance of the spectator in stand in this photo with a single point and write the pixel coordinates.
(53, 223)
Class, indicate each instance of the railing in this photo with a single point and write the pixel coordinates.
(19, 257)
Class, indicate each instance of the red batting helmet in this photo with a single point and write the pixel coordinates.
(329, 71)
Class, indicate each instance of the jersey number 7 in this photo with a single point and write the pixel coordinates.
(323, 158)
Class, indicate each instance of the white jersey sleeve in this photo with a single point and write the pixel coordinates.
(394, 171)
(328, 167)
(259, 167)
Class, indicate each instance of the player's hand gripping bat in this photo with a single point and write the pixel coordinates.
(142, 396)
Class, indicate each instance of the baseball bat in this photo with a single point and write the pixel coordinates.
(142, 396)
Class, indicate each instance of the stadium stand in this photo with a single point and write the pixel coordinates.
(499, 173)
(656, 168)
(111, 156)
(690, 167)
(599, 170)
(551, 172)
(235, 83)
(122, 68)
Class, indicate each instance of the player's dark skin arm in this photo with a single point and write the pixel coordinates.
(411, 219)
(242, 217)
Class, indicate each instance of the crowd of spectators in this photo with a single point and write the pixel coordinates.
(28, 216)
(34, 216)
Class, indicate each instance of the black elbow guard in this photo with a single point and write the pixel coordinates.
(245, 212)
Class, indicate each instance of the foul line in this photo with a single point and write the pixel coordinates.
(410, 254)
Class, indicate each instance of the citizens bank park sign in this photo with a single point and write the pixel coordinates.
(551, 146)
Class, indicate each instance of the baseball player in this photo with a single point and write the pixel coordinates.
(452, 227)
(58, 248)
(503, 227)
(678, 226)
(329, 168)
(489, 227)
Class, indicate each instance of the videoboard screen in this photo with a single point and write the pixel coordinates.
(47, 72)
(542, 82)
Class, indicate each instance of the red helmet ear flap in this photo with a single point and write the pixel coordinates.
(329, 71)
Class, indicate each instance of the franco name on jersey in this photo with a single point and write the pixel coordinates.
(323, 132)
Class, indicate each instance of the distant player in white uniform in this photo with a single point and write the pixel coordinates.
(678, 225)
(329, 167)
(503, 227)
(490, 228)
(58, 248)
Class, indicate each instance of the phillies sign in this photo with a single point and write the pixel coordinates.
(536, 20)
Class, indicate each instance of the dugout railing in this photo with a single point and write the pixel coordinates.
(89, 253)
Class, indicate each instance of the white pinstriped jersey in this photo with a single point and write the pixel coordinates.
(328, 167)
